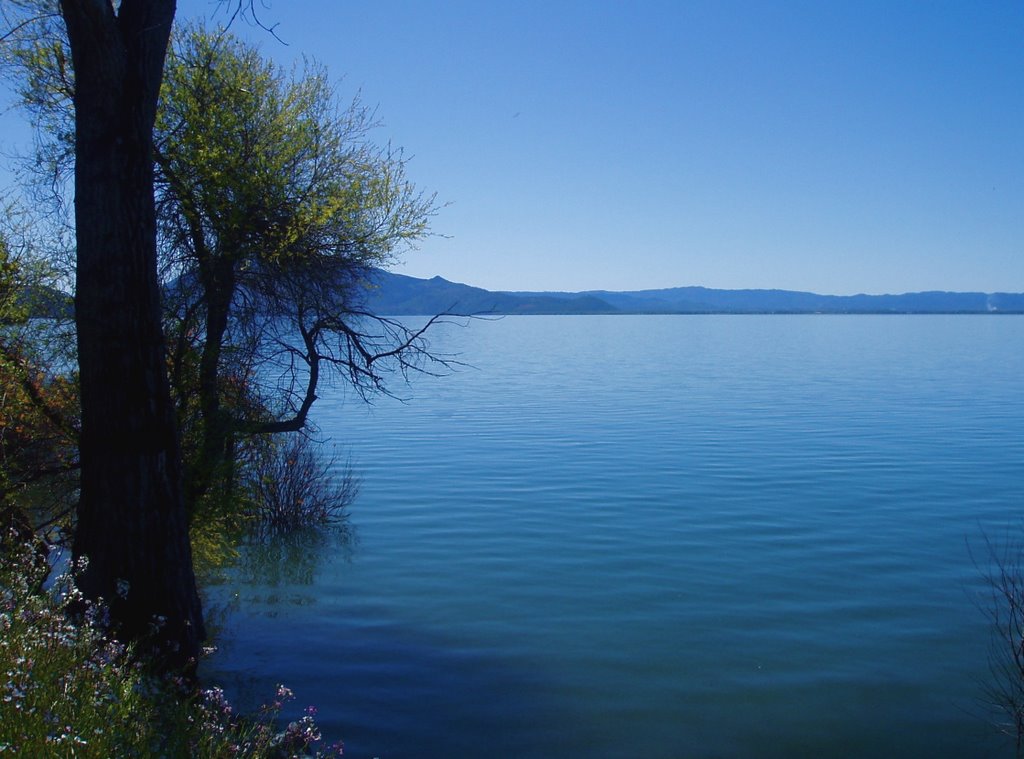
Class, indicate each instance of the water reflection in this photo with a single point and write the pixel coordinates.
(381, 677)
(291, 559)
(271, 571)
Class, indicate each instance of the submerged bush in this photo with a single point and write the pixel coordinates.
(1001, 563)
(71, 689)
(293, 488)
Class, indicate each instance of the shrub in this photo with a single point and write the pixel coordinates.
(293, 488)
(71, 689)
(67, 685)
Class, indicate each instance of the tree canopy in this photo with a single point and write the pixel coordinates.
(274, 205)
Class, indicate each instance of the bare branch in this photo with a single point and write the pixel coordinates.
(1002, 569)
(246, 9)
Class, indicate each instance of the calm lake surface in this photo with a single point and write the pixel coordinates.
(656, 536)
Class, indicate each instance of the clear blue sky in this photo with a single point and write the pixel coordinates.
(837, 147)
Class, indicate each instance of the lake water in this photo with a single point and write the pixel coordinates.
(657, 536)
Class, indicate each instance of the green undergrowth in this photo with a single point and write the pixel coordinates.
(71, 690)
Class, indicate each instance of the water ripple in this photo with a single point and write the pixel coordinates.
(665, 537)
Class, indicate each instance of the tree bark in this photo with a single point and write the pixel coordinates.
(218, 282)
(132, 524)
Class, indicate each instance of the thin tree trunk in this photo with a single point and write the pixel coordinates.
(218, 280)
(131, 525)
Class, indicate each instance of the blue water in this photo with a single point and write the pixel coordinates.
(657, 536)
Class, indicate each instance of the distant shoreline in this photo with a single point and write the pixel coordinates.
(402, 295)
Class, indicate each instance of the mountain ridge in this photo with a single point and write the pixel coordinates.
(402, 295)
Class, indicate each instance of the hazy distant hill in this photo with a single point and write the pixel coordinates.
(47, 302)
(398, 294)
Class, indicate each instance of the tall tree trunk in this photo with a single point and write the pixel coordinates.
(132, 524)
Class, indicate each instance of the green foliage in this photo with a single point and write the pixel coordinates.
(260, 166)
(36, 61)
(18, 272)
(11, 310)
(38, 405)
(68, 690)
(73, 690)
(274, 204)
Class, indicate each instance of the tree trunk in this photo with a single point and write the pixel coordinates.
(218, 282)
(131, 524)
